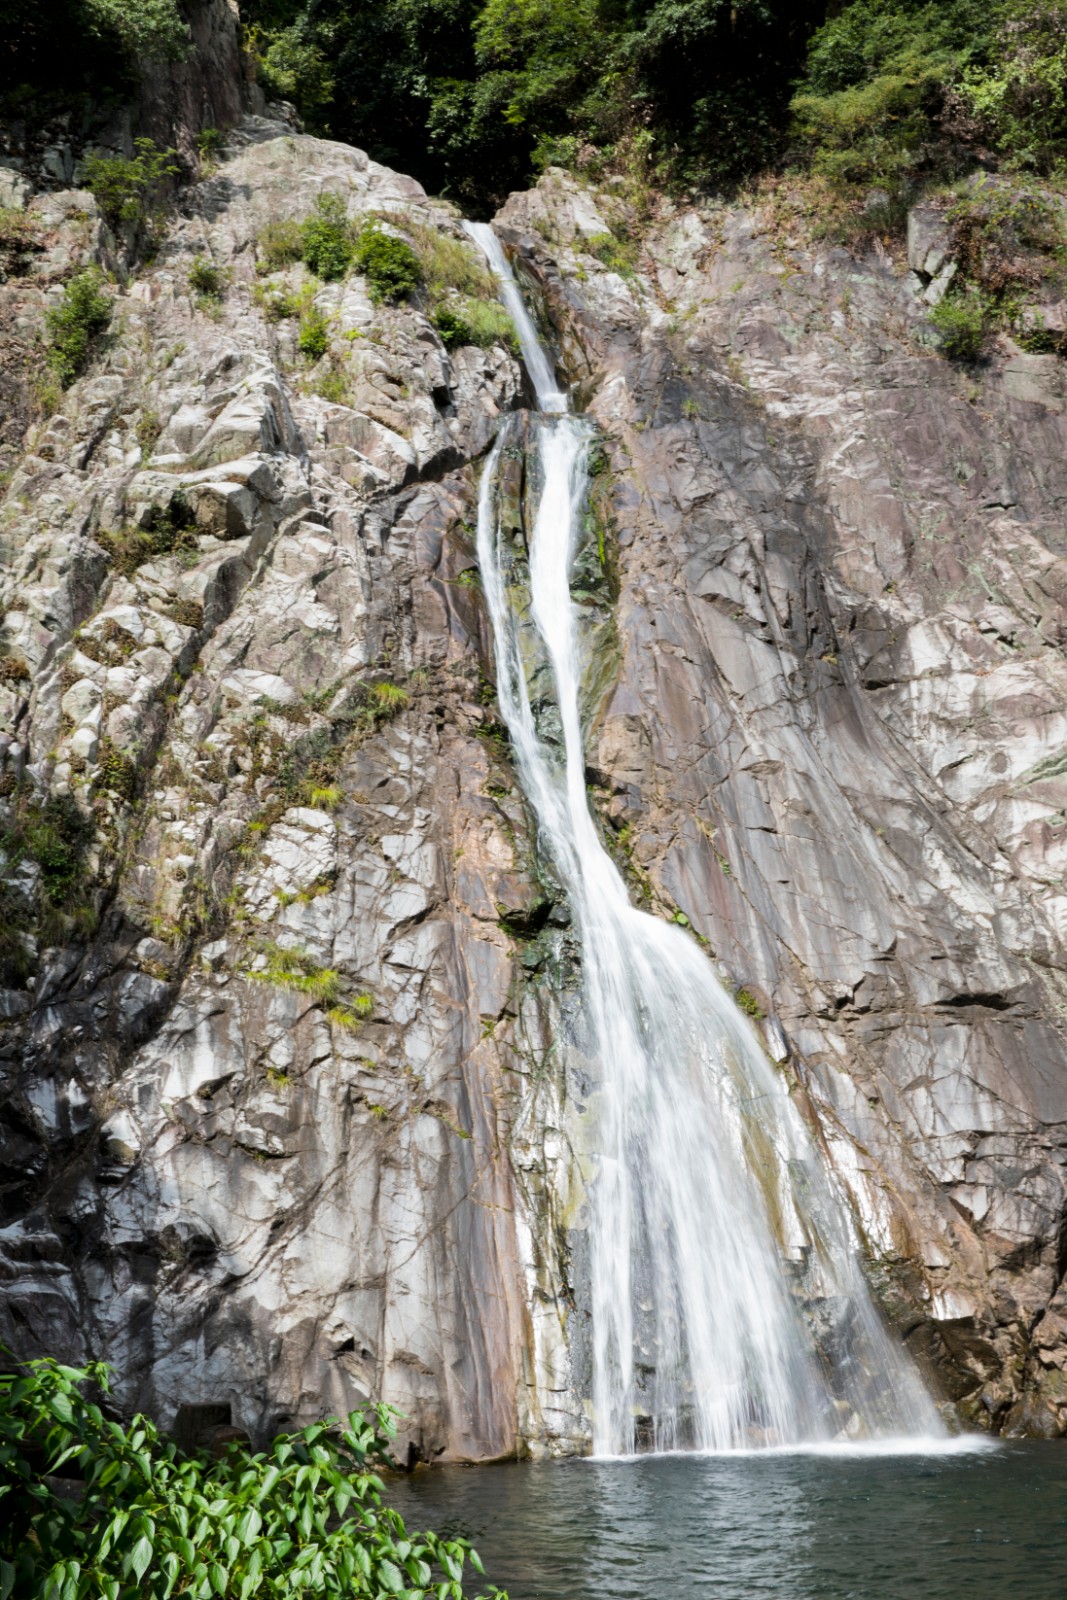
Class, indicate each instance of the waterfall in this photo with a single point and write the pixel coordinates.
(729, 1309)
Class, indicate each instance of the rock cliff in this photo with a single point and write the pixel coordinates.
(287, 1119)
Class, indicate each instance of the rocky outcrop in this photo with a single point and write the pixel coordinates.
(836, 741)
(257, 1146)
(286, 1107)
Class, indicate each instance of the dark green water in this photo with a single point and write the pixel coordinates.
(982, 1526)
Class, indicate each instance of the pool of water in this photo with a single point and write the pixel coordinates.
(983, 1524)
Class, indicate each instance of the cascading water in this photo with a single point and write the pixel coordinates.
(728, 1306)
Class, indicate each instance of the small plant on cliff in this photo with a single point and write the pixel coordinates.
(390, 266)
(477, 322)
(961, 322)
(289, 968)
(313, 340)
(326, 239)
(76, 323)
(130, 191)
(206, 280)
(302, 1518)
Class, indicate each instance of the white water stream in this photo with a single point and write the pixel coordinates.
(712, 1216)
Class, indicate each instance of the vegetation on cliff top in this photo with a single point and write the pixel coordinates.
(147, 1521)
(474, 96)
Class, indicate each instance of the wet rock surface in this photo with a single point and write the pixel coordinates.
(836, 740)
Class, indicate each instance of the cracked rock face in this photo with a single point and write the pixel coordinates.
(257, 1127)
(286, 1115)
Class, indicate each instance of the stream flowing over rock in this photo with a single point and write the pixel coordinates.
(298, 1121)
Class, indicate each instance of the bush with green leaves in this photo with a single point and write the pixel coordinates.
(304, 1517)
(74, 325)
(389, 265)
(477, 322)
(206, 279)
(313, 340)
(876, 76)
(291, 65)
(961, 322)
(326, 244)
(55, 834)
(130, 191)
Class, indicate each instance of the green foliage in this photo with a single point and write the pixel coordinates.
(289, 968)
(116, 771)
(152, 28)
(56, 834)
(290, 65)
(875, 85)
(388, 700)
(1018, 97)
(131, 191)
(326, 243)
(313, 340)
(205, 279)
(748, 1003)
(1005, 235)
(170, 530)
(448, 263)
(349, 1016)
(478, 322)
(961, 322)
(209, 142)
(76, 323)
(616, 254)
(389, 265)
(303, 1517)
(331, 385)
(280, 244)
(462, 93)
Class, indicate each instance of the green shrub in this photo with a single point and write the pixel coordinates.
(478, 322)
(961, 322)
(390, 266)
(326, 239)
(749, 1004)
(57, 834)
(206, 280)
(280, 244)
(1006, 236)
(450, 263)
(278, 305)
(332, 385)
(131, 191)
(116, 772)
(387, 700)
(616, 254)
(75, 325)
(313, 339)
(304, 1517)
